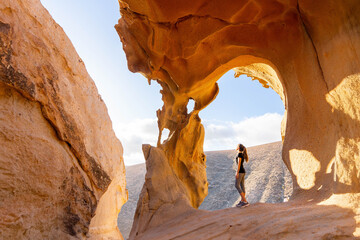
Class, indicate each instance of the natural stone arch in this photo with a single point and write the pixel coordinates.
(187, 46)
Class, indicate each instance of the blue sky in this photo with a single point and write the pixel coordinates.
(244, 111)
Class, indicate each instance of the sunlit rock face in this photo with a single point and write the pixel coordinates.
(307, 51)
(61, 166)
(163, 195)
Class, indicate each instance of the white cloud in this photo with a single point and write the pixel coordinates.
(219, 135)
(133, 134)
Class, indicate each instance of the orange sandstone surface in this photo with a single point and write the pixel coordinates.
(308, 52)
(61, 167)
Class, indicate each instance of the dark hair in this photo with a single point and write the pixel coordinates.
(243, 149)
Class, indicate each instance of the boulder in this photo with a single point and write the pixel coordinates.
(61, 165)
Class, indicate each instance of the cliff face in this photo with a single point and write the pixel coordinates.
(61, 166)
(307, 51)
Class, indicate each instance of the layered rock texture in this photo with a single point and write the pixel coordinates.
(307, 51)
(61, 168)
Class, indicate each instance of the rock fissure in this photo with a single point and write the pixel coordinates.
(313, 45)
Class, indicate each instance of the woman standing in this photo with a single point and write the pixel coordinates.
(240, 174)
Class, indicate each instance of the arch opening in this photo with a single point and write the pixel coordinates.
(268, 76)
(164, 135)
(191, 105)
(268, 178)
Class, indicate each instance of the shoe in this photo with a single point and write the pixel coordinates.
(239, 204)
(244, 204)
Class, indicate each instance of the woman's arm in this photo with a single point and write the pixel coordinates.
(238, 168)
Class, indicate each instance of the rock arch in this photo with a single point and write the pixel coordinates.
(186, 47)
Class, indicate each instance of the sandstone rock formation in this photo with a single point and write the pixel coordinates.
(61, 166)
(171, 195)
(307, 51)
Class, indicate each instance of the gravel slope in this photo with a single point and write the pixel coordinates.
(267, 179)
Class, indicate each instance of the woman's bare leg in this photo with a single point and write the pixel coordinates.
(243, 197)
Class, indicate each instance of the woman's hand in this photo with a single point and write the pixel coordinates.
(237, 175)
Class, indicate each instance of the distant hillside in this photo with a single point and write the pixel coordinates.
(267, 180)
(135, 178)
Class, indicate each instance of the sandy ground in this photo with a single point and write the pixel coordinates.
(267, 181)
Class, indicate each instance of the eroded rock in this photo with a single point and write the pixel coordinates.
(60, 158)
(170, 195)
